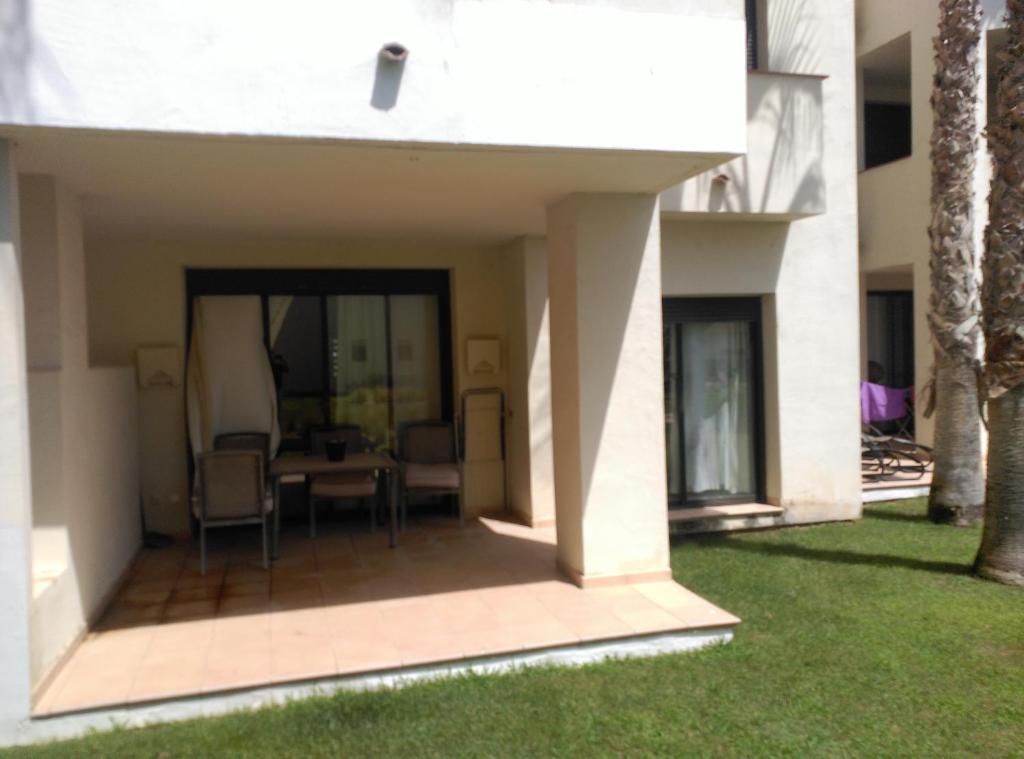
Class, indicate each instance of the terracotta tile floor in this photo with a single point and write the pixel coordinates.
(345, 603)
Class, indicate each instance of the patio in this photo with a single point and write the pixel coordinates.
(345, 604)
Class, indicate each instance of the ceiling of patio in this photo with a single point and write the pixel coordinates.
(172, 186)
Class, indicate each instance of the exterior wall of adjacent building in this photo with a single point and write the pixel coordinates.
(894, 197)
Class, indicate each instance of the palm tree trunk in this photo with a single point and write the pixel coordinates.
(957, 491)
(958, 484)
(1001, 555)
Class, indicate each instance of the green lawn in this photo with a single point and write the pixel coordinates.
(866, 639)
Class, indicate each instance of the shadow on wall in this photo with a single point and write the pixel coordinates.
(617, 289)
(793, 48)
(23, 57)
(15, 53)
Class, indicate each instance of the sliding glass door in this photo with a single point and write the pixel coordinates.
(713, 400)
(364, 347)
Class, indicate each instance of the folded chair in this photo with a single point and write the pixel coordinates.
(340, 486)
(231, 491)
(429, 464)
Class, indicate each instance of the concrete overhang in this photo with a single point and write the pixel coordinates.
(187, 186)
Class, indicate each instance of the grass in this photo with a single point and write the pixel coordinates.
(865, 639)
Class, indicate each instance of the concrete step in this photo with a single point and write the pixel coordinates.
(740, 516)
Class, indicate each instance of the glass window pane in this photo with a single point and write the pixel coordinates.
(296, 341)
(358, 355)
(415, 358)
(672, 420)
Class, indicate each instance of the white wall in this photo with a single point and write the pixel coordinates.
(781, 175)
(502, 72)
(531, 475)
(137, 298)
(15, 480)
(811, 466)
(807, 272)
(83, 431)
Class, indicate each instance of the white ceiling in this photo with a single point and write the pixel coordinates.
(173, 186)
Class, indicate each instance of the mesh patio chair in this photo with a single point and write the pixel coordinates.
(429, 464)
(340, 486)
(231, 491)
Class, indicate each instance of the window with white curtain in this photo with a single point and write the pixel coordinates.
(366, 347)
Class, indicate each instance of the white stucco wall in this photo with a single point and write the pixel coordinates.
(15, 479)
(502, 72)
(137, 298)
(83, 431)
(781, 175)
(531, 474)
(811, 427)
(806, 271)
(894, 198)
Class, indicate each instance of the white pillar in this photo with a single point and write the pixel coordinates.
(604, 264)
(15, 487)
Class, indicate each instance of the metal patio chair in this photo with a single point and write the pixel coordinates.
(244, 441)
(340, 486)
(231, 491)
(429, 464)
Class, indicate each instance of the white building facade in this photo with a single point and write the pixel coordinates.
(648, 207)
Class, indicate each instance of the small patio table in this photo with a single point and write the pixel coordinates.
(307, 466)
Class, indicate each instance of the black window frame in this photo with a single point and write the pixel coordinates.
(753, 20)
(324, 283)
(749, 309)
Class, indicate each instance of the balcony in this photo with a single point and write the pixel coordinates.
(781, 176)
(516, 73)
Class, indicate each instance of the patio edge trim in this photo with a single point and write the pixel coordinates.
(71, 725)
(895, 494)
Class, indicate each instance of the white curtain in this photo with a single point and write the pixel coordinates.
(357, 333)
(717, 398)
(229, 384)
(415, 357)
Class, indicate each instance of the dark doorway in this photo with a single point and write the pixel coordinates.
(890, 323)
(714, 405)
